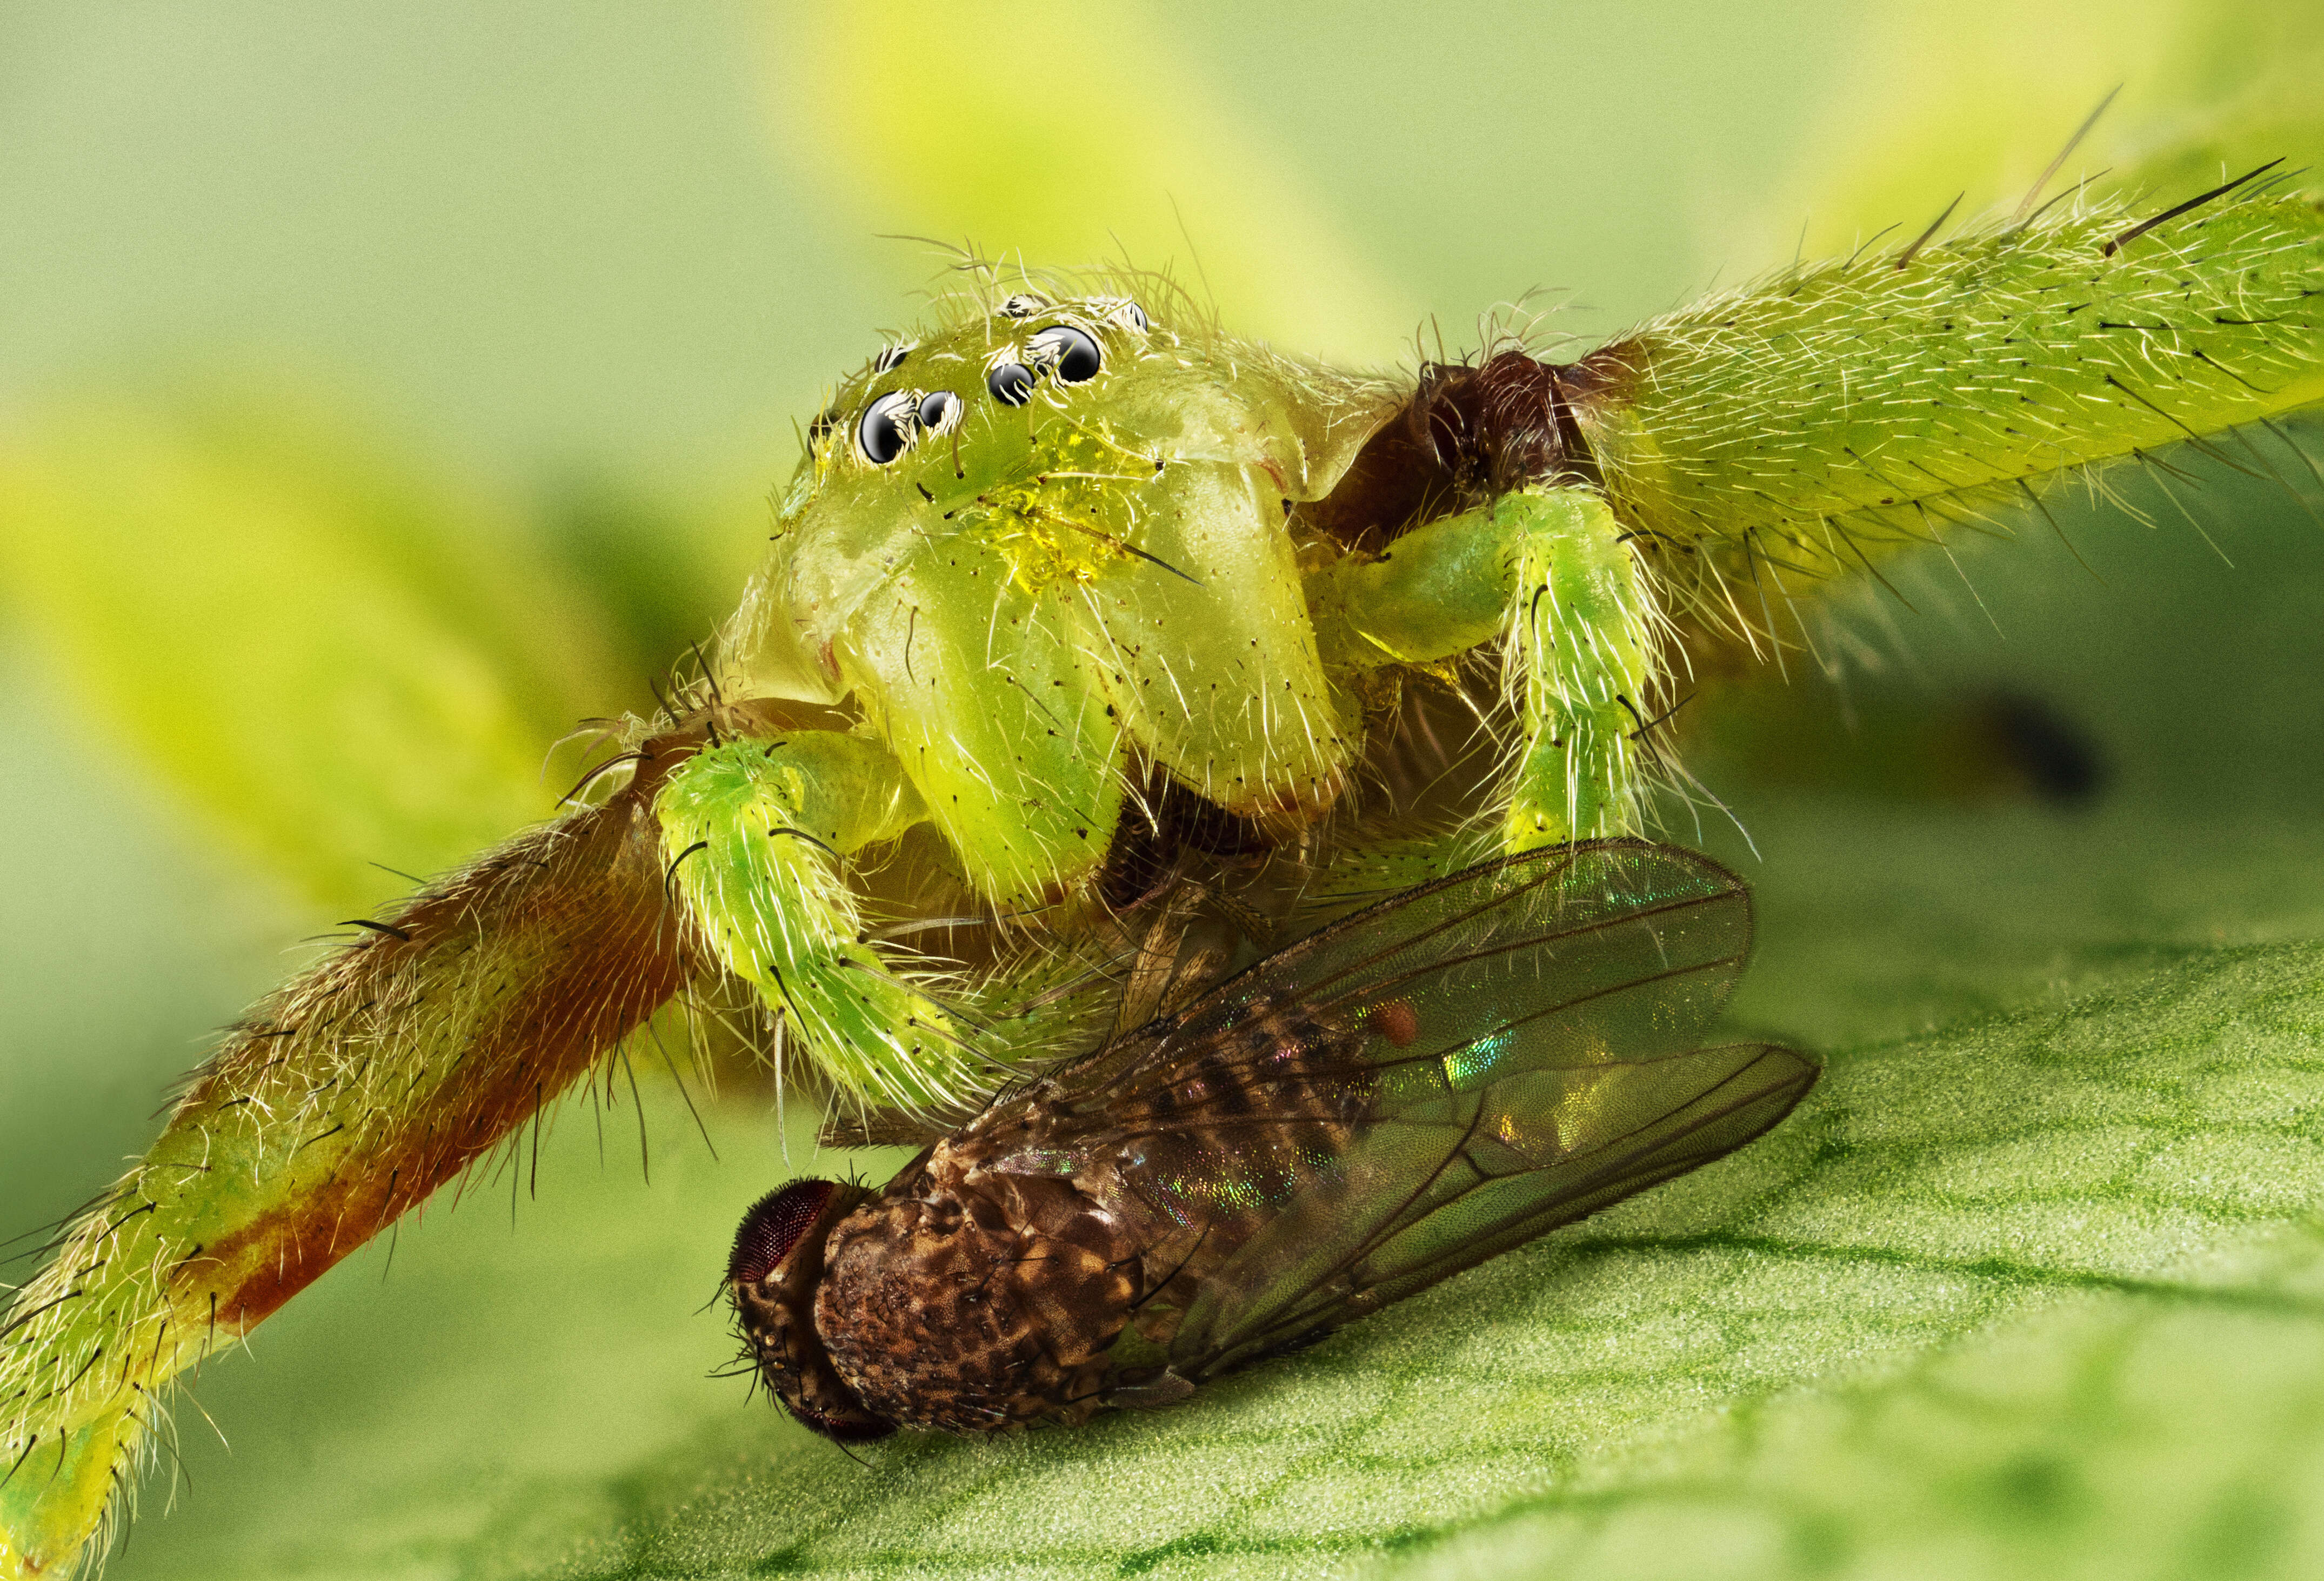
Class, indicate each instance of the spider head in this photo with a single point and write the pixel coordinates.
(942, 418)
(771, 1276)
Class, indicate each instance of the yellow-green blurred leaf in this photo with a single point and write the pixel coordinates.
(1066, 133)
(1979, 100)
(339, 660)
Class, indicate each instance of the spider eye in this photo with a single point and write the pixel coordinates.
(886, 428)
(771, 1229)
(892, 357)
(939, 410)
(1121, 311)
(819, 430)
(1021, 307)
(1067, 352)
(1011, 384)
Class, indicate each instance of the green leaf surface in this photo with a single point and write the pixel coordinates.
(2127, 1175)
(2039, 1294)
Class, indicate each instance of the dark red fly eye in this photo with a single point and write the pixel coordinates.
(773, 1226)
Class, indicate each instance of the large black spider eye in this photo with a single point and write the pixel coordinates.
(886, 428)
(891, 358)
(1011, 384)
(939, 410)
(1067, 352)
(1021, 307)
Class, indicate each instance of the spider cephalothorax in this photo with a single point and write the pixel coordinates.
(1066, 556)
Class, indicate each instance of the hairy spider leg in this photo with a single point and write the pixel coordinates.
(339, 1102)
(350, 1095)
(1545, 570)
(1791, 436)
(754, 833)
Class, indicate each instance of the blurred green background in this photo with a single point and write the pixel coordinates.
(384, 388)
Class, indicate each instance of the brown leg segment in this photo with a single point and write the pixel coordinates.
(340, 1101)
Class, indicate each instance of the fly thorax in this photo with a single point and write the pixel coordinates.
(950, 1306)
(777, 1267)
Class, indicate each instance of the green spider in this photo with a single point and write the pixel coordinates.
(1090, 642)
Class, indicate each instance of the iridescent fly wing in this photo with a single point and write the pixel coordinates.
(1417, 1088)
(1442, 1187)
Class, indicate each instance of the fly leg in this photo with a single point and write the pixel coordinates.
(1545, 571)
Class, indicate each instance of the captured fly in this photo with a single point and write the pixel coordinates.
(1419, 1087)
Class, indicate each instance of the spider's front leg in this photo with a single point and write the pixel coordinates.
(753, 832)
(340, 1102)
(1545, 569)
(346, 1097)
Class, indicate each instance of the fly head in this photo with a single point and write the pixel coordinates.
(771, 1276)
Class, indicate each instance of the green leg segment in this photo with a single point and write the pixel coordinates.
(753, 832)
(1545, 570)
